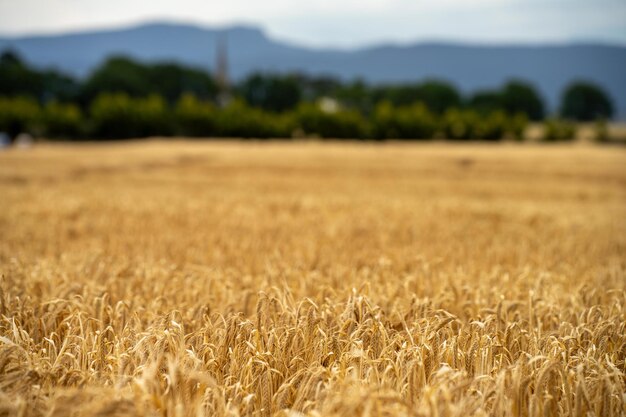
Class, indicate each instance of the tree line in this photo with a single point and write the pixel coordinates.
(125, 98)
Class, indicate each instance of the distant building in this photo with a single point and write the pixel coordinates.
(329, 105)
(24, 141)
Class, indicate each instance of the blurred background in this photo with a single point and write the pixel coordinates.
(488, 70)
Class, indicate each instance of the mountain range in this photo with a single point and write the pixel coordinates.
(470, 67)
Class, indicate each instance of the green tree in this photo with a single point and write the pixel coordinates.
(194, 117)
(459, 124)
(410, 122)
(396, 95)
(514, 97)
(117, 75)
(18, 114)
(585, 101)
(171, 81)
(342, 124)
(485, 101)
(61, 120)
(119, 116)
(271, 92)
(314, 88)
(239, 120)
(437, 95)
(168, 80)
(521, 97)
(16, 78)
(356, 95)
(57, 86)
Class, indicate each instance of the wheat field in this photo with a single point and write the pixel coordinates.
(180, 278)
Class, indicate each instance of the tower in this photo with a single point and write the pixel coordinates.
(221, 71)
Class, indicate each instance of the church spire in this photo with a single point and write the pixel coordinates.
(221, 70)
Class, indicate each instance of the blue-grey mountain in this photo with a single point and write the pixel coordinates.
(469, 67)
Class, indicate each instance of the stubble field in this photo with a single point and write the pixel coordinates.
(287, 279)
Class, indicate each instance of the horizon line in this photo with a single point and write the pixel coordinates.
(51, 33)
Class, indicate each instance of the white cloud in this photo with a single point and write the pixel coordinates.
(342, 22)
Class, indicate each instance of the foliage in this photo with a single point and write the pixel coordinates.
(556, 130)
(459, 124)
(520, 97)
(585, 101)
(18, 79)
(170, 81)
(492, 126)
(271, 92)
(515, 97)
(356, 95)
(485, 101)
(341, 124)
(316, 87)
(411, 122)
(239, 120)
(126, 98)
(18, 115)
(516, 125)
(117, 75)
(195, 118)
(601, 131)
(57, 86)
(173, 80)
(495, 125)
(117, 116)
(437, 96)
(61, 120)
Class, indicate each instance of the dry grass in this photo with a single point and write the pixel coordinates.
(227, 279)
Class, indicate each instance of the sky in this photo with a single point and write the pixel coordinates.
(341, 23)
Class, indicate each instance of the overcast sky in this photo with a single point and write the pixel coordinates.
(342, 22)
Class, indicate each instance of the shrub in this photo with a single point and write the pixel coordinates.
(240, 120)
(18, 115)
(119, 116)
(61, 120)
(459, 125)
(601, 131)
(412, 122)
(558, 130)
(341, 124)
(283, 125)
(492, 126)
(195, 118)
(516, 125)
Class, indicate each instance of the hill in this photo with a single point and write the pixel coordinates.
(469, 67)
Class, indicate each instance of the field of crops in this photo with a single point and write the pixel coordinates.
(312, 279)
